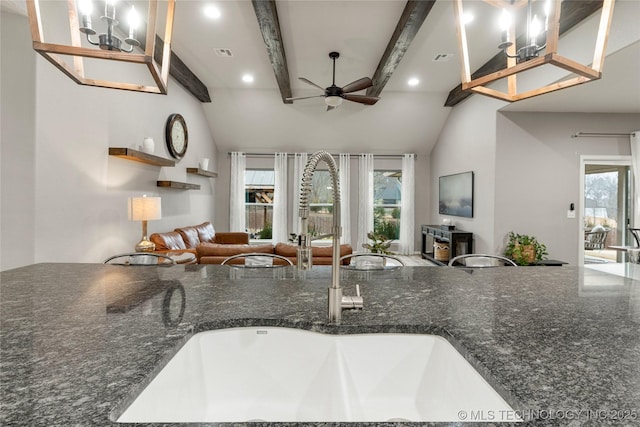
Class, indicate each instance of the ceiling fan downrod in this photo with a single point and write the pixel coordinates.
(334, 56)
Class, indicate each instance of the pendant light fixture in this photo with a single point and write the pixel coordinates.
(111, 18)
(527, 46)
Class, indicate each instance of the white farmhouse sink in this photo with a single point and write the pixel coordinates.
(280, 374)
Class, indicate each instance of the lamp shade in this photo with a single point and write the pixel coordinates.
(145, 208)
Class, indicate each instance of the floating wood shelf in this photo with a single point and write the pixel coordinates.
(203, 172)
(178, 185)
(139, 156)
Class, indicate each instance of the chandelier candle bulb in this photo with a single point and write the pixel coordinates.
(109, 9)
(535, 29)
(86, 8)
(505, 25)
(134, 21)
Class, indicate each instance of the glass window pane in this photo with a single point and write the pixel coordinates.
(259, 185)
(387, 187)
(320, 219)
(387, 197)
(321, 189)
(386, 221)
(320, 204)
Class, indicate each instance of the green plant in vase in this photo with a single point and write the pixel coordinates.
(524, 250)
(379, 244)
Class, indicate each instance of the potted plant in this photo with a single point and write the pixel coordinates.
(524, 250)
(379, 244)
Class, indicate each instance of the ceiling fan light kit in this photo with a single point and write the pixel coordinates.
(69, 57)
(333, 101)
(333, 95)
(535, 46)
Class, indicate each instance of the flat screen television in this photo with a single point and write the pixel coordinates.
(455, 195)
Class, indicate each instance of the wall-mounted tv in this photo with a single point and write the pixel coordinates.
(456, 195)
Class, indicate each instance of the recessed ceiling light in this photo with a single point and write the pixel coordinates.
(413, 81)
(467, 18)
(212, 11)
(247, 78)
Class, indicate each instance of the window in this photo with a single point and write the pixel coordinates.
(259, 185)
(387, 196)
(321, 204)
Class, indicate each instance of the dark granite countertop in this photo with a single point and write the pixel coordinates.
(78, 340)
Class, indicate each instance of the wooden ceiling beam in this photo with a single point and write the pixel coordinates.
(414, 14)
(572, 13)
(270, 27)
(177, 69)
(182, 74)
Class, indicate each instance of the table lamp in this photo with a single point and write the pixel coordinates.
(145, 209)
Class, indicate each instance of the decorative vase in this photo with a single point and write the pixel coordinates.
(148, 146)
(528, 253)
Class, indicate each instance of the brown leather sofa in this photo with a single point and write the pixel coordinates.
(211, 247)
(186, 239)
(215, 253)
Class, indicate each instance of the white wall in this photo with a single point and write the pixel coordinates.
(538, 173)
(80, 192)
(17, 144)
(467, 143)
(527, 170)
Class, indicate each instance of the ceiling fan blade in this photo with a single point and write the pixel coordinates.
(362, 99)
(359, 84)
(304, 97)
(307, 81)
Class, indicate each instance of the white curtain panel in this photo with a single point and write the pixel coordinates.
(407, 207)
(279, 230)
(299, 162)
(365, 199)
(236, 193)
(635, 156)
(345, 197)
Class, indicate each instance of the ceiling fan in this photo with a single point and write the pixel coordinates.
(333, 95)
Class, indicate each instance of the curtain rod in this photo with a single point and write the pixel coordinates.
(379, 156)
(596, 134)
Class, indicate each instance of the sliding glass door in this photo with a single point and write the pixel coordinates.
(607, 211)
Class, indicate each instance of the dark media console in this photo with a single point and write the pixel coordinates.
(460, 242)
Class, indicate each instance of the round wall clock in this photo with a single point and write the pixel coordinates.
(176, 135)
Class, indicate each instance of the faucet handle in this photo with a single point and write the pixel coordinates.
(353, 302)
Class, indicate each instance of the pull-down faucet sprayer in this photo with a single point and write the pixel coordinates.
(304, 255)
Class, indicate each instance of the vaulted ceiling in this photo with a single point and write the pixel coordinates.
(389, 40)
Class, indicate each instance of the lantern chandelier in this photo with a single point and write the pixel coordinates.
(531, 49)
(68, 57)
(523, 53)
(108, 40)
